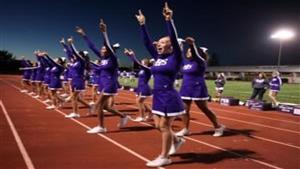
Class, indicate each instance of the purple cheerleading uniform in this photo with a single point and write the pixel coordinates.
(69, 70)
(33, 74)
(143, 89)
(193, 82)
(66, 75)
(166, 100)
(55, 72)
(47, 79)
(40, 72)
(108, 78)
(95, 74)
(275, 84)
(109, 75)
(26, 73)
(78, 68)
(47, 65)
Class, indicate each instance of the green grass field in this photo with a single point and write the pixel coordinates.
(289, 92)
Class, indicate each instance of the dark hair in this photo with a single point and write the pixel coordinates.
(87, 60)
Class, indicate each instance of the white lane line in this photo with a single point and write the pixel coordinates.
(251, 115)
(20, 144)
(101, 135)
(257, 137)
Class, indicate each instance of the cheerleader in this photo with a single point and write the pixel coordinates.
(108, 80)
(143, 90)
(97, 84)
(95, 80)
(275, 85)
(40, 73)
(33, 78)
(55, 81)
(65, 80)
(194, 88)
(69, 69)
(167, 104)
(26, 75)
(78, 82)
(47, 79)
(220, 83)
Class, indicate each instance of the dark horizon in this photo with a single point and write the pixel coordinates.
(237, 31)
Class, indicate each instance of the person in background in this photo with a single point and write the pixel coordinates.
(259, 84)
(275, 85)
(143, 90)
(220, 83)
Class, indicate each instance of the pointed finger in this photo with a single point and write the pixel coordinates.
(166, 5)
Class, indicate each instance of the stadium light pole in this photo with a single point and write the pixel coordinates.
(282, 35)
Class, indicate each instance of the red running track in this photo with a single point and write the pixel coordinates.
(254, 139)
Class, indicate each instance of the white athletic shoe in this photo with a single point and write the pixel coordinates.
(97, 129)
(51, 107)
(37, 97)
(91, 103)
(175, 146)
(47, 101)
(219, 131)
(68, 99)
(72, 115)
(159, 161)
(64, 95)
(123, 122)
(24, 91)
(183, 132)
(31, 93)
(139, 119)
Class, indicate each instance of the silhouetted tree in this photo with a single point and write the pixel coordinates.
(8, 63)
(6, 56)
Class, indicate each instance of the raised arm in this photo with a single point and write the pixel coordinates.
(130, 53)
(191, 42)
(28, 68)
(51, 61)
(74, 50)
(67, 49)
(90, 44)
(171, 29)
(145, 35)
(103, 29)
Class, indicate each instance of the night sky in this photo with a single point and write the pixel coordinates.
(237, 31)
